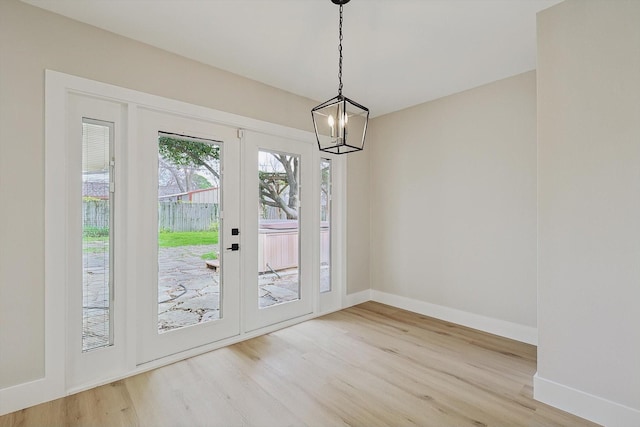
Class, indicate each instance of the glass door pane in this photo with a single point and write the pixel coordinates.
(188, 226)
(325, 225)
(278, 234)
(97, 210)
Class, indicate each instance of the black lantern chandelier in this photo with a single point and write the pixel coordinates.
(340, 123)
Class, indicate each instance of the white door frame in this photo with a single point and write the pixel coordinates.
(57, 90)
(333, 300)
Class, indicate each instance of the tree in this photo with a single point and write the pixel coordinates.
(183, 157)
(279, 183)
(200, 181)
(278, 179)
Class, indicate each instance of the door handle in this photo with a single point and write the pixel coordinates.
(234, 247)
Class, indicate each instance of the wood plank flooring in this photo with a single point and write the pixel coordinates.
(369, 365)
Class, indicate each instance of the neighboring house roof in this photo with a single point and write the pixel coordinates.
(99, 190)
(186, 195)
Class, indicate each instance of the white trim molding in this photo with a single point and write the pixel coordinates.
(584, 405)
(23, 395)
(356, 298)
(503, 328)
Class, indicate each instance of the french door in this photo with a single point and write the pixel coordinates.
(188, 189)
(173, 231)
(278, 229)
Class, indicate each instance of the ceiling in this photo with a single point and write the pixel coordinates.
(397, 53)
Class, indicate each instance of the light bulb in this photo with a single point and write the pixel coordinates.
(332, 123)
(344, 118)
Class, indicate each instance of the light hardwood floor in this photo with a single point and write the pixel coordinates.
(369, 365)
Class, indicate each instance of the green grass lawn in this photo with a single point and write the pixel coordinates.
(168, 239)
(187, 238)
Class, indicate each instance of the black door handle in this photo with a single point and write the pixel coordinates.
(234, 247)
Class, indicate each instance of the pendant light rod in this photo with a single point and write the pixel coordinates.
(340, 53)
(341, 3)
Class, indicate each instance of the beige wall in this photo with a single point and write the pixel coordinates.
(453, 201)
(589, 207)
(358, 213)
(32, 40)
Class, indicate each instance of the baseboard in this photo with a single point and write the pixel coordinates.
(356, 298)
(27, 394)
(514, 331)
(584, 405)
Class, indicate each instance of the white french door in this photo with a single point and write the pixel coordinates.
(169, 231)
(278, 232)
(187, 195)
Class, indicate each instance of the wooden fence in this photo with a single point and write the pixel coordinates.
(95, 214)
(176, 216)
(172, 216)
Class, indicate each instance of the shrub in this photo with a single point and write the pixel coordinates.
(95, 232)
(209, 255)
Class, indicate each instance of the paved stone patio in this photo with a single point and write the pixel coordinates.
(188, 291)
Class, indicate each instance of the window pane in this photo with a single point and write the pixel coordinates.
(97, 286)
(325, 225)
(278, 237)
(189, 280)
